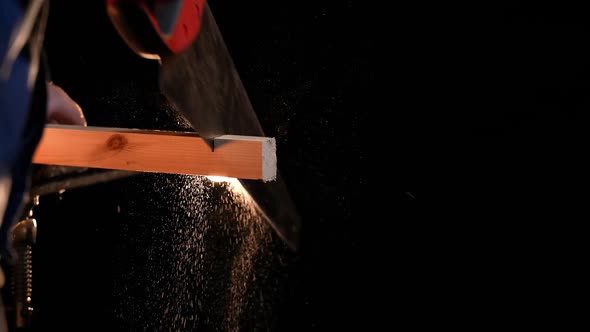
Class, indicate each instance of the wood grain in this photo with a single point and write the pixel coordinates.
(243, 157)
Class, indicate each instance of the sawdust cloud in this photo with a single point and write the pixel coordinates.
(201, 258)
(189, 254)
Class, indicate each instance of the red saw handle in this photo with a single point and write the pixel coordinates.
(156, 28)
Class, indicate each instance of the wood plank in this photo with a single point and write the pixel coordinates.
(243, 157)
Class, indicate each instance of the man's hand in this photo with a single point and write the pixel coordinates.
(61, 109)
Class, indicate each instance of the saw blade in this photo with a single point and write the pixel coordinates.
(204, 86)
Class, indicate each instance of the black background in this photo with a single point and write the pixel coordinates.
(491, 143)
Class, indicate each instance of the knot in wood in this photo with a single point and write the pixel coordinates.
(116, 142)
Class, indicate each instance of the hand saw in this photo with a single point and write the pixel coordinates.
(198, 76)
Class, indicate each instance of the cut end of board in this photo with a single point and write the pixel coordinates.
(268, 153)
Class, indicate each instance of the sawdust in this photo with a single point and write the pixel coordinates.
(199, 262)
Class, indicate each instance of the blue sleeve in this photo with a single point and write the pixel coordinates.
(15, 96)
(16, 103)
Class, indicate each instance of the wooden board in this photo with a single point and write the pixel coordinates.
(243, 157)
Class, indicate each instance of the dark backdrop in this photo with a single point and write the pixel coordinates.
(495, 99)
